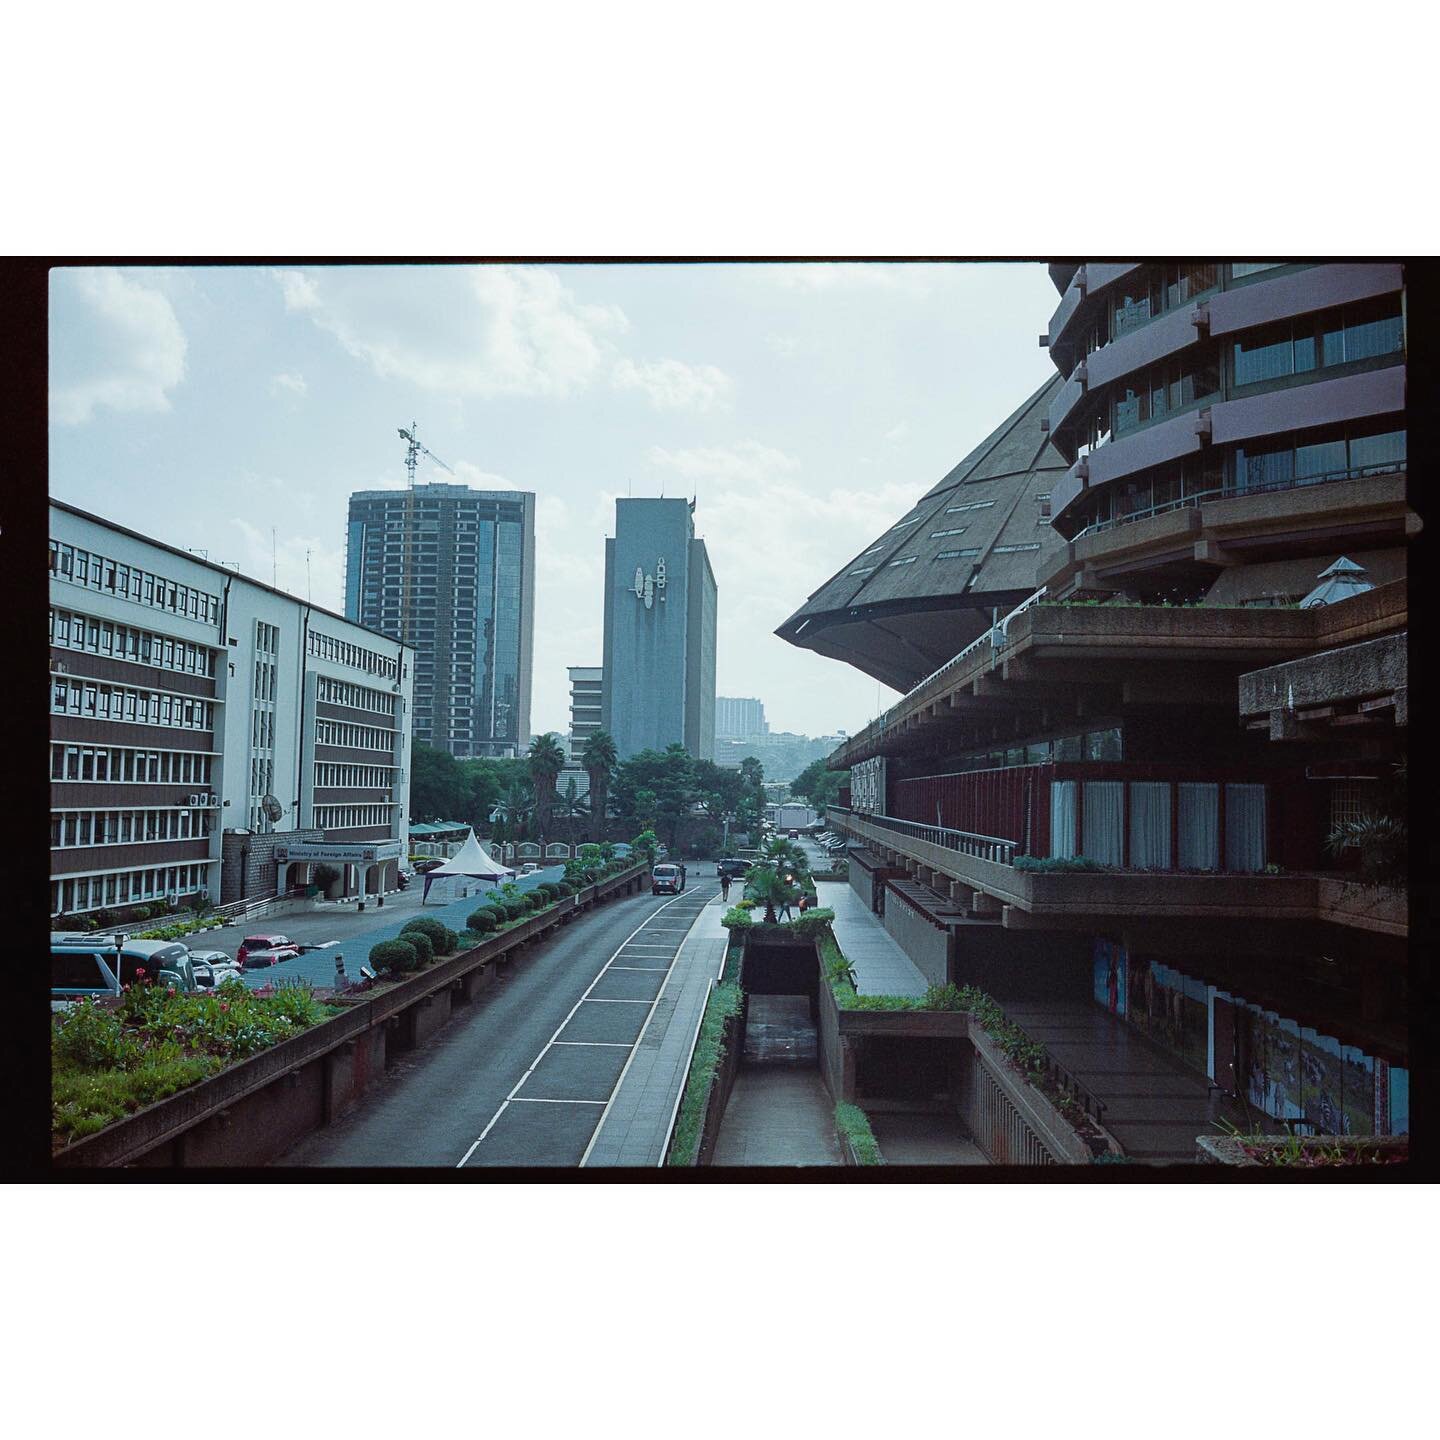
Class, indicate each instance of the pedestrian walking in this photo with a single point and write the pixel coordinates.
(803, 903)
(785, 908)
(725, 888)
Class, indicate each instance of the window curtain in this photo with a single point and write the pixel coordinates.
(1199, 827)
(1245, 828)
(1149, 826)
(1062, 819)
(1104, 816)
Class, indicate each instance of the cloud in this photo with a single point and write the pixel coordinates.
(811, 278)
(473, 475)
(114, 342)
(486, 330)
(674, 385)
(287, 380)
(785, 346)
(325, 582)
(898, 432)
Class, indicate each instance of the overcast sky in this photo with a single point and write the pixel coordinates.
(805, 406)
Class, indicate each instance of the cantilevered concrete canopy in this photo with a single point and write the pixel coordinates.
(907, 603)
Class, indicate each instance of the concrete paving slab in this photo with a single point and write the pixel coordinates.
(627, 985)
(881, 967)
(924, 1139)
(778, 1116)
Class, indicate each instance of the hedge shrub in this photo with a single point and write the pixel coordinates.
(441, 937)
(423, 945)
(483, 920)
(394, 955)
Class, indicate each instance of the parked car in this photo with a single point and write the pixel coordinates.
(268, 943)
(529, 868)
(667, 880)
(103, 970)
(422, 866)
(735, 869)
(794, 834)
(259, 959)
(212, 967)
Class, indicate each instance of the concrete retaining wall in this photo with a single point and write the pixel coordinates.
(926, 946)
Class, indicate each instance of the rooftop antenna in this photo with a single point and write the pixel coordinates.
(308, 595)
(274, 571)
(413, 451)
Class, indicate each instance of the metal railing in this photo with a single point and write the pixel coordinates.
(981, 847)
(1230, 492)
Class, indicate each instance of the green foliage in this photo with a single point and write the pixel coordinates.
(1382, 841)
(737, 919)
(483, 920)
(1055, 864)
(821, 787)
(645, 846)
(422, 945)
(724, 1002)
(468, 940)
(812, 922)
(397, 956)
(767, 887)
(107, 1062)
(324, 876)
(441, 937)
(853, 1123)
(656, 787)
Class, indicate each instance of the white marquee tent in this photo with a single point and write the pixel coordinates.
(472, 863)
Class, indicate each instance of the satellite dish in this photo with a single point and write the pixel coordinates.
(272, 808)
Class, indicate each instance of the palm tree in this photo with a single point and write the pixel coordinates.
(547, 760)
(767, 885)
(512, 810)
(600, 758)
(572, 805)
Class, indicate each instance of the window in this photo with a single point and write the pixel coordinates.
(971, 505)
(1013, 549)
(1241, 268)
(864, 570)
(1103, 745)
(959, 530)
(959, 554)
(907, 560)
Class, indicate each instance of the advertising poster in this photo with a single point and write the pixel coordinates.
(1358, 1097)
(1399, 1086)
(1139, 991)
(1254, 1052)
(1323, 1083)
(1195, 1010)
(1110, 975)
(1282, 1049)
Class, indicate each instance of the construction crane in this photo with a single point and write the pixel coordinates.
(413, 451)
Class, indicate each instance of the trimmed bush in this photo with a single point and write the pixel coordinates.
(1055, 864)
(396, 956)
(441, 937)
(467, 940)
(483, 920)
(423, 946)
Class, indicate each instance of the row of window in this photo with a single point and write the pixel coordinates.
(262, 729)
(98, 572)
(121, 703)
(357, 697)
(78, 893)
(118, 764)
(354, 777)
(1103, 744)
(1316, 342)
(103, 637)
(349, 817)
(356, 737)
(72, 828)
(267, 638)
(1297, 459)
(343, 652)
(265, 672)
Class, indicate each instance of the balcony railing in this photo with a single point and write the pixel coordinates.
(1202, 497)
(980, 847)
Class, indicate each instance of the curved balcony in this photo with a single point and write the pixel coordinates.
(1164, 336)
(1067, 309)
(1321, 287)
(1067, 398)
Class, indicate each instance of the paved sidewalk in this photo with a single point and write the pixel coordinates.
(881, 966)
(636, 1123)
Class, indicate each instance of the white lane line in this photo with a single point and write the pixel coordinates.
(635, 1049)
(601, 1000)
(597, 1044)
(566, 1021)
(542, 1100)
(643, 969)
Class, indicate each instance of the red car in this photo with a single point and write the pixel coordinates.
(256, 950)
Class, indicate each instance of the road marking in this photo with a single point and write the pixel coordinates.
(600, 1044)
(543, 1100)
(643, 969)
(581, 1001)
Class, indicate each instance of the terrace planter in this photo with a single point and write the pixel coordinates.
(1235, 1150)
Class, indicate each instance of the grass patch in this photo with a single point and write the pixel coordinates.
(724, 1003)
(853, 1123)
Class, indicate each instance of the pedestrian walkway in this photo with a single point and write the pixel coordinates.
(881, 967)
(1154, 1106)
(778, 1115)
(924, 1138)
(636, 1124)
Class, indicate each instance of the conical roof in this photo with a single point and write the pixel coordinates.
(1337, 582)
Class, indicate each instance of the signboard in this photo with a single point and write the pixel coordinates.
(337, 854)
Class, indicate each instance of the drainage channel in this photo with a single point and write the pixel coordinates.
(550, 1115)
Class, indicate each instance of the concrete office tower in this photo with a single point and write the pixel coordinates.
(469, 611)
(739, 719)
(586, 705)
(660, 606)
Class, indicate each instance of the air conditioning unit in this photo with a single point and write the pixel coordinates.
(194, 801)
(60, 668)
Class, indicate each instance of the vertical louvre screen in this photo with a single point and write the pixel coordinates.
(1104, 817)
(1245, 827)
(1149, 826)
(1062, 819)
(1199, 827)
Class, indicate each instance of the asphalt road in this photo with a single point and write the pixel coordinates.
(523, 1077)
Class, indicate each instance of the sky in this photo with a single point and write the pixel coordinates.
(804, 406)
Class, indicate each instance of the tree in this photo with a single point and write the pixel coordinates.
(572, 805)
(438, 788)
(512, 811)
(656, 786)
(546, 761)
(767, 886)
(645, 846)
(599, 759)
(821, 787)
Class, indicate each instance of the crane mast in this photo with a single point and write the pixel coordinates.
(413, 451)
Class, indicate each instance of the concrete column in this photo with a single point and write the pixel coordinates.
(984, 905)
